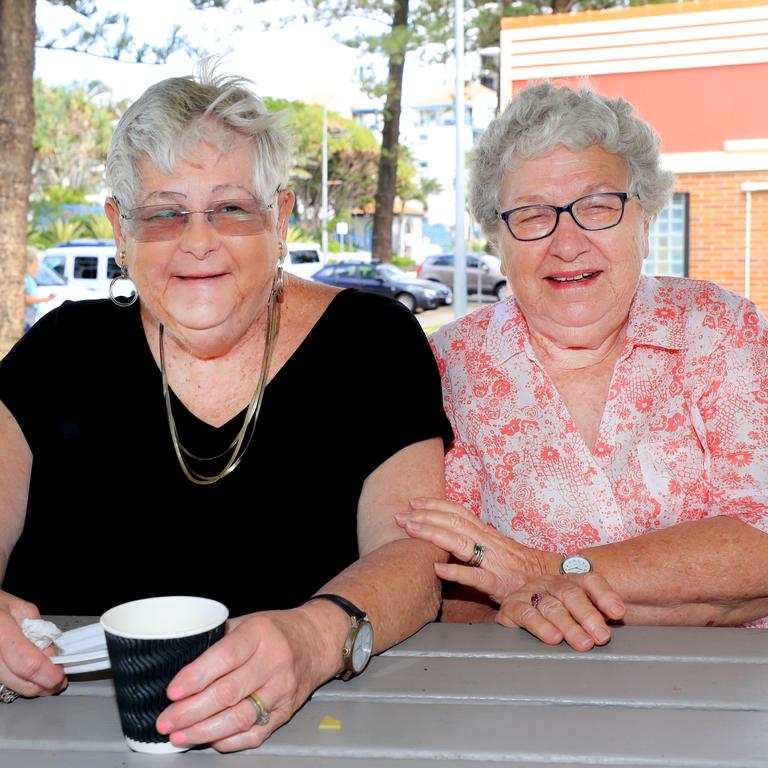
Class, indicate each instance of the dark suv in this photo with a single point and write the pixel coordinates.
(388, 280)
(481, 268)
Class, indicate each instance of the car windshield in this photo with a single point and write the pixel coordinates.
(46, 276)
(390, 271)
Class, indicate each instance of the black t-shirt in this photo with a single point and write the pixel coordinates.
(111, 517)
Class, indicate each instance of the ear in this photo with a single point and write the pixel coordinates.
(285, 200)
(113, 214)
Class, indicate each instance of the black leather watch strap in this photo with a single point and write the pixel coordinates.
(344, 604)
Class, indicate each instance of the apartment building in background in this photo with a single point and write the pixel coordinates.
(698, 73)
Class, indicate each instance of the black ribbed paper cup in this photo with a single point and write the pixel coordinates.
(149, 641)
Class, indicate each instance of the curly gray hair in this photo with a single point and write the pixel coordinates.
(542, 117)
(174, 115)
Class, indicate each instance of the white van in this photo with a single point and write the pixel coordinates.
(87, 264)
(303, 259)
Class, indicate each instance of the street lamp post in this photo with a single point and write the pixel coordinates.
(460, 257)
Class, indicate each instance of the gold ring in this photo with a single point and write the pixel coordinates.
(478, 553)
(263, 714)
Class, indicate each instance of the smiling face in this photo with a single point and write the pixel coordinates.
(574, 287)
(208, 289)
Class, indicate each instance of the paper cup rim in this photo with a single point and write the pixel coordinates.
(218, 619)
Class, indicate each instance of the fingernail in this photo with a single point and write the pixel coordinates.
(583, 639)
(602, 635)
(419, 501)
(179, 738)
(440, 569)
(400, 516)
(411, 526)
(175, 693)
(163, 726)
(617, 608)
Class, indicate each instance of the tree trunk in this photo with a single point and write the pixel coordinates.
(387, 183)
(17, 122)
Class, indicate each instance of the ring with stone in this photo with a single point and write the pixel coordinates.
(262, 717)
(7, 695)
(478, 553)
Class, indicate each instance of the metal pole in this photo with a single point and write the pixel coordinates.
(460, 257)
(324, 214)
(748, 243)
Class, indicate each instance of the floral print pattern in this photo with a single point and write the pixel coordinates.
(684, 433)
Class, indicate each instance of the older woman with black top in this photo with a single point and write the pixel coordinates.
(231, 434)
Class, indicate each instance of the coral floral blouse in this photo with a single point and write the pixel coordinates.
(684, 434)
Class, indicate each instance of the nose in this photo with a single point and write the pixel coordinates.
(199, 237)
(569, 240)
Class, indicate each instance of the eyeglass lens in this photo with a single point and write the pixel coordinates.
(152, 223)
(592, 212)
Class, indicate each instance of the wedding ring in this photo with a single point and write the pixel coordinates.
(535, 599)
(478, 553)
(7, 695)
(263, 715)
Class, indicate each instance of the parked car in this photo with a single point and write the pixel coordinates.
(480, 267)
(303, 259)
(388, 280)
(87, 264)
(49, 282)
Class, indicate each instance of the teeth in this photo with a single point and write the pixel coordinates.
(582, 276)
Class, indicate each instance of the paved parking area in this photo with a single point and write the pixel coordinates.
(432, 319)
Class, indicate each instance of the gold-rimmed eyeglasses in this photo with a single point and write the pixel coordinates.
(153, 223)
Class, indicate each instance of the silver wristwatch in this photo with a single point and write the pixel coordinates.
(358, 645)
(575, 564)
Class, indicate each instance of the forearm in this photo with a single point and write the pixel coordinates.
(394, 584)
(709, 571)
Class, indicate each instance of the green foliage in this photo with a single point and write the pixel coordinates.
(96, 226)
(58, 231)
(108, 35)
(352, 160)
(73, 128)
(403, 262)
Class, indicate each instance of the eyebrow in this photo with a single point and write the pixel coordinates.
(592, 189)
(164, 193)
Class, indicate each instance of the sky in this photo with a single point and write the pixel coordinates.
(299, 61)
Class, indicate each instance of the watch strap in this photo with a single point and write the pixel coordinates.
(350, 608)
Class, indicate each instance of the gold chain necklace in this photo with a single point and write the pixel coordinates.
(236, 448)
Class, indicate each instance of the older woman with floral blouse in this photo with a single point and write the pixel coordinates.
(611, 458)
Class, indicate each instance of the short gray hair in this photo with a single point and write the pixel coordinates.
(174, 115)
(539, 119)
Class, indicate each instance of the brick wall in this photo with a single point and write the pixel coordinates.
(716, 231)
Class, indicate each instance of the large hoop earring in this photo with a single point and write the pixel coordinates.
(122, 301)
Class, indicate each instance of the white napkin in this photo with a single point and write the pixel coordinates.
(42, 633)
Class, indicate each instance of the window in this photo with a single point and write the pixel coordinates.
(112, 269)
(443, 261)
(668, 238)
(305, 257)
(85, 267)
(55, 263)
(346, 270)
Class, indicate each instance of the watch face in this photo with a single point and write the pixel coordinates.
(576, 564)
(363, 647)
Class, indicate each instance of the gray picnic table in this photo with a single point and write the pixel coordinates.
(455, 694)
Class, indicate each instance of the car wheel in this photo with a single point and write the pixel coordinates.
(501, 290)
(407, 300)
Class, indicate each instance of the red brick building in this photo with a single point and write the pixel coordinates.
(698, 73)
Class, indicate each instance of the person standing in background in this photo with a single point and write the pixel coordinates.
(31, 299)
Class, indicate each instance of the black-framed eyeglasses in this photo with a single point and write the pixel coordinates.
(591, 212)
(154, 223)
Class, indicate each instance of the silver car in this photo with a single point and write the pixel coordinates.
(482, 269)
